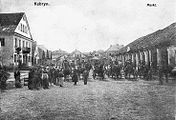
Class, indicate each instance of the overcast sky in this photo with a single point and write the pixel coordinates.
(89, 25)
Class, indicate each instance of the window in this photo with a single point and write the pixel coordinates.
(29, 59)
(30, 45)
(19, 43)
(23, 44)
(26, 44)
(23, 18)
(15, 58)
(15, 42)
(21, 28)
(25, 29)
(2, 40)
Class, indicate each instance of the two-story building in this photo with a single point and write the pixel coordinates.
(15, 39)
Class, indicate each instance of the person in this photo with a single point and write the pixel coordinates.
(54, 73)
(50, 75)
(85, 76)
(45, 79)
(174, 71)
(61, 78)
(75, 77)
(3, 78)
(30, 80)
(17, 79)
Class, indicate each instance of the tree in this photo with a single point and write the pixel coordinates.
(47, 54)
(51, 56)
(43, 55)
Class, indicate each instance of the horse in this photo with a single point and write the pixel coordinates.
(66, 69)
(98, 70)
(129, 70)
(115, 71)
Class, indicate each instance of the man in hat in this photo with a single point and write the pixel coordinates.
(30, 80)
(45, 79)
(85, 76)
(17, 78)
(75, 77)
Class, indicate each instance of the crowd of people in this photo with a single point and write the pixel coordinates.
(46, 76)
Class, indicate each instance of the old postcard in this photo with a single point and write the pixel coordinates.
(87, 59)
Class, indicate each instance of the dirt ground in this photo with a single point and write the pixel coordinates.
(99, 100)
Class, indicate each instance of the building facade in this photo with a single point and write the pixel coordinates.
(16, 39)
(156, 50)
(42, 55)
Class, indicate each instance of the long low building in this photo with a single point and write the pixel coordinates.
(15, 39)
(155, 49)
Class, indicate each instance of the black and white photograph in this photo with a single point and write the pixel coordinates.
(87, 59)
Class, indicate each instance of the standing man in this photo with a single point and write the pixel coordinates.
(17, 79)
(61, 78)
(75, 77)
(85, 76)
(45, 79)
(30, 80)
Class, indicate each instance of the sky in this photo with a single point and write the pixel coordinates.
(89, 25)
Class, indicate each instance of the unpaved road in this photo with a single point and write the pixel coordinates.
(99, 100)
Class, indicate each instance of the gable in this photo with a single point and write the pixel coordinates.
(23, 27)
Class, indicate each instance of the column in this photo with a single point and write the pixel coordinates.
(137, 60)
(158, 51)
(146, 57)
(149, 56)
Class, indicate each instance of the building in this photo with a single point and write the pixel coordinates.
(42, 55)
(76, 54)
(155, 49)
(57, 54)
(15, 36)
(113, 49)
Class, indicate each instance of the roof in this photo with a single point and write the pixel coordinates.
(9, 21)
(10, 18)
(164, 37)
(77, 52)
(42, 47)
(113, 48)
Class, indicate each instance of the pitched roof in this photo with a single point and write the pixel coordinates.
(166, 36)
(77, 52)
(9, 21)
(10, 18)
(114, 48)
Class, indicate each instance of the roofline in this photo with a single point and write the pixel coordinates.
(12, 12)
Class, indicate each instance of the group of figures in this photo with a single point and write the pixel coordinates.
(43, 77)
(117, 70)
(128, 70)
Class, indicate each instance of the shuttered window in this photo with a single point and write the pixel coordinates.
(2, 40)
(16, 43)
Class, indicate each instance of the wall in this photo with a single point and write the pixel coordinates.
(7, 51)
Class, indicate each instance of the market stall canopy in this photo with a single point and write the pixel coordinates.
(95, 58)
